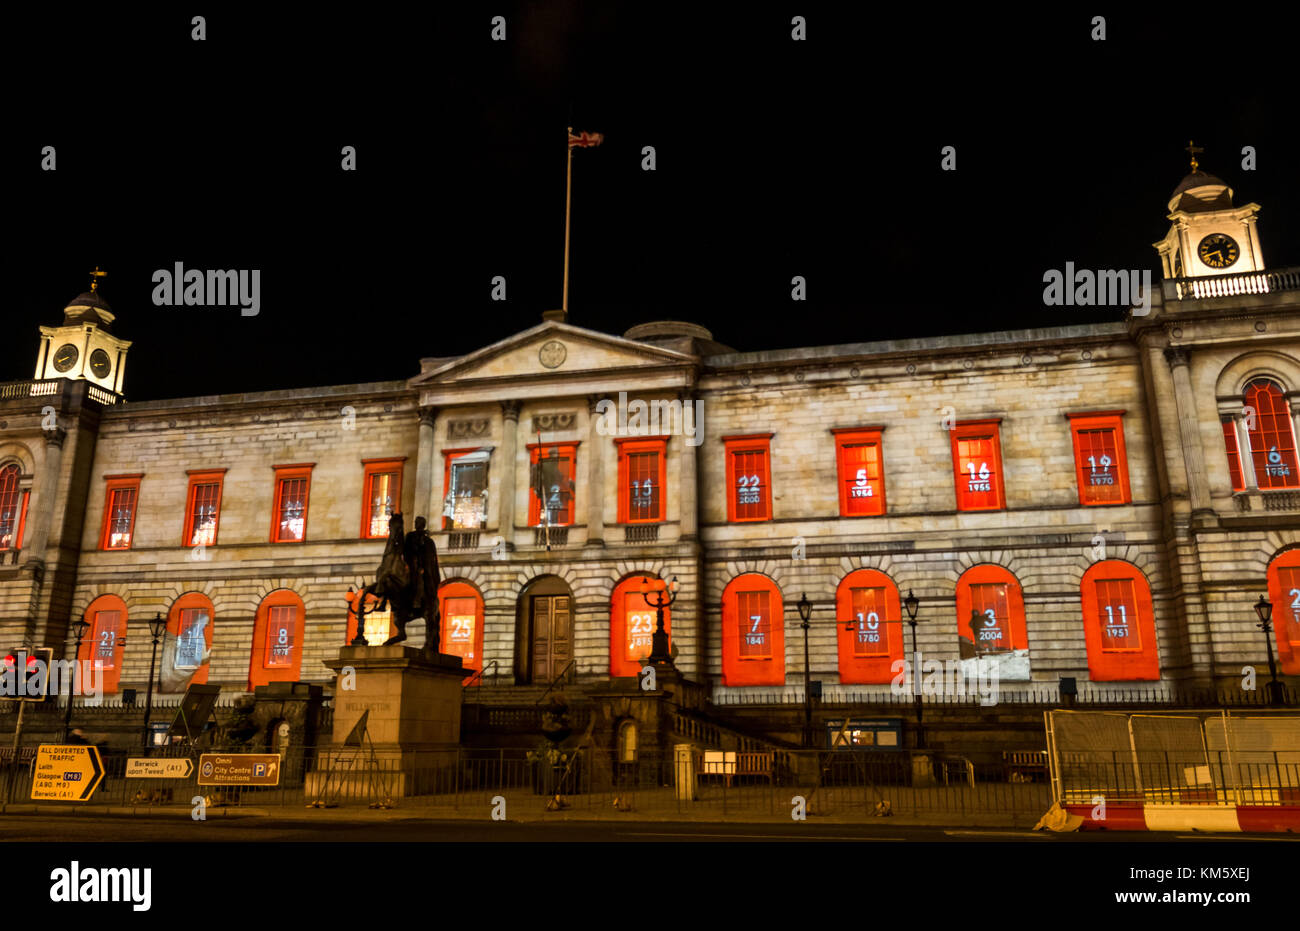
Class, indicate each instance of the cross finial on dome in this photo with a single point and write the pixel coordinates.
(1194, 149)
(95, 276)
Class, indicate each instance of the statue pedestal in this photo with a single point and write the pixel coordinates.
(414, 722)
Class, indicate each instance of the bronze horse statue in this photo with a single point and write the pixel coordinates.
(407, 581)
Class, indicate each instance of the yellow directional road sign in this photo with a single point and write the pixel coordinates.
(66, 773)
(159, 768)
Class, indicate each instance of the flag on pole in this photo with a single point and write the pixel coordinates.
(585, 140)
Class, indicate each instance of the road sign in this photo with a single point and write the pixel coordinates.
(66, 773)
(155, 768)
(239, 769)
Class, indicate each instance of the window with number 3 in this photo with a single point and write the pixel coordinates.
(749, 477)
(1100, 464)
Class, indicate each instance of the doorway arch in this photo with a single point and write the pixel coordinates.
(543, 630)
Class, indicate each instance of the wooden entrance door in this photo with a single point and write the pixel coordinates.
(552, 633)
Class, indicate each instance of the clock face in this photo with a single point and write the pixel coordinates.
(100, 363)
(65, 357)
(1218, 250)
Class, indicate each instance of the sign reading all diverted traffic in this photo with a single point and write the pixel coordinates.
(239, 769)
(148, 768)
(66, 773)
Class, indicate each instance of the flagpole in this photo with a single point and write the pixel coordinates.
(568, 189)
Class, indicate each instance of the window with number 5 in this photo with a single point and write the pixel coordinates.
(861, 471)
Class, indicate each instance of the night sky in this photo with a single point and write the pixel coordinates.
(775, 158)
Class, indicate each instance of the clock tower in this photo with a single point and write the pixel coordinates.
(1208, 235)
(83, 347)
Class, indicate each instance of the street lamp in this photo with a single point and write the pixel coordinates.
(665, 595)
(157, 627)
(805, 612)
(911, 604)
(79, 628)
(1265, 612)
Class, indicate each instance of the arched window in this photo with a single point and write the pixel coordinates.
(190, 623)
(462, 623)
(104, 641)
(277, 639)
(753, 632)
(1119, 625)
(1272, 437)
(869, 631)
(1284, 592)
(991, 621)
(378, 624)
(627, 742)
(13, 507)
(632, 622)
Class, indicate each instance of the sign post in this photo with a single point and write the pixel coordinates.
(68, 773)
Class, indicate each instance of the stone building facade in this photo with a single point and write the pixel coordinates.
(1108, 501)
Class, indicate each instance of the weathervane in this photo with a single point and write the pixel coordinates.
(94, 278)
(1194, 149)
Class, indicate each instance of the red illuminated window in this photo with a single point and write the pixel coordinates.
(861, 472)
(1272, 438)
(383, 495)
(977, 462)
(632, 622)
(755, 616)
(289, 516)
(190, 622)
(753, 632)
(869, 635)
(642, 471)
(462, 623)
(120, 498)
(554, 468)
(871, 629)
(1234, 456)
(1284, 593)
(277, 639)
(749, 477)
(1119, 623)
(990, 613)
(104, 641)
(13, 508)
(1101, 466)
(465, 484)
(203, 507)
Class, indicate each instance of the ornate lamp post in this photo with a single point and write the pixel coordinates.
(911, 604)
(79, 628)
(1265, 612)
(157, 627)
(805, 612)
(665, 593)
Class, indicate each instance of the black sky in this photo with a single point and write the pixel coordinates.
(775, 158)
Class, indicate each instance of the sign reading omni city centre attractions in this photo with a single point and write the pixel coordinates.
(66, 773)
(239, 769)
(147, 768)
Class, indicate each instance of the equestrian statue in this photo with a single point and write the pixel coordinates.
(406, 581)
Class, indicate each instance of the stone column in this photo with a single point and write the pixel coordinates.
(47, 494)
(509, 468)
(595, 476)
(424, 472)
(1198, 490)
(689, 494)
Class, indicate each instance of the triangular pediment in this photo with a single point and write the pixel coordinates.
(551, 349)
